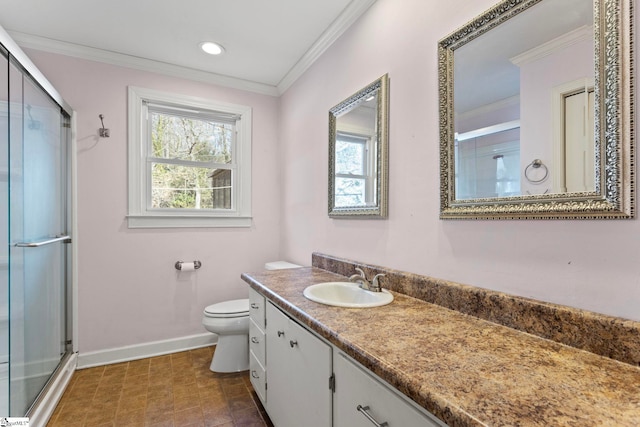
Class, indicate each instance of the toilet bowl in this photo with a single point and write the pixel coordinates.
(230, 321)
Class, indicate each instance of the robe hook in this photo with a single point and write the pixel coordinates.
(104, 133)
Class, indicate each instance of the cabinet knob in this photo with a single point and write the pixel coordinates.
(255, 340)
(363, 410)
(293, 343)
(254, 306)
(280, 333)
(255, 375)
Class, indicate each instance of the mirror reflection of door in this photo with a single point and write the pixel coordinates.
(578, 141)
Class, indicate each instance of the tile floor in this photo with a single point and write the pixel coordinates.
(172, 390)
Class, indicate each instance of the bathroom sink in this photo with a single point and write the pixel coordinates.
(346, 294)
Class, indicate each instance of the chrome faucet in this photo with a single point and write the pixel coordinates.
(373, 286)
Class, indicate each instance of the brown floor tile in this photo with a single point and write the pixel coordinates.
(159, 391)
(181, 403)
(72, 414)
(160, 379)
(114, 368)
(164, 391)
(240, 403)
(247, 416)
(130, 404)
(159, 417)
(133, 389)
(187, 417)
(132, 418)
(217, 417)
(236, 390)
(214, 406)
(100, 414)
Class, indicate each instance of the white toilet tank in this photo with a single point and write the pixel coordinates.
(280, 265)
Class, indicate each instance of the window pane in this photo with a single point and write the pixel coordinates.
(184, 138)
(350, 192)
(350, 158)
(183, 187)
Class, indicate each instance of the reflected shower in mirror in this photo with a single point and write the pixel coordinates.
(358, 153)
(520, 71)
(535, 112)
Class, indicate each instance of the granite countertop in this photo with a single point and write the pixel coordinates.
(464, 370)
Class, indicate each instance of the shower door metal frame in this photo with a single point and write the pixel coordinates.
(43, 406)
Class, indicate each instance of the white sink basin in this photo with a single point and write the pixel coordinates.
(346, 294)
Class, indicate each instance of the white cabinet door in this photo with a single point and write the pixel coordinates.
(361, 400)
(299, 368)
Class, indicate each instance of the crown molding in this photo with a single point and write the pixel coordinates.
(512, 101)
(349, 15)
(12, 46)
(572, 37)
(30, 41)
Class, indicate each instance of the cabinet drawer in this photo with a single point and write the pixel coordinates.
(359, 395)
(258, 377)
(256, 307)
(257, 342)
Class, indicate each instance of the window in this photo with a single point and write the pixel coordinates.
(355, 171)
(189, 162)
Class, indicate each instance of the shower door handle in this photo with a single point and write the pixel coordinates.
(43, 242)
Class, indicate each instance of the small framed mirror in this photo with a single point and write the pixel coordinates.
(358, 153)
(536, 112)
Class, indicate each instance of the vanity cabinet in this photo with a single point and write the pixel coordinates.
(361, 400)
(299, 373)
(314, 384)
(257, 345)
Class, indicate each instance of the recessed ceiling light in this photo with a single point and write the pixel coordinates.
(211, 48)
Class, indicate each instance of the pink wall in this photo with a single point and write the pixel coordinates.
(586, 264)
(129, 291)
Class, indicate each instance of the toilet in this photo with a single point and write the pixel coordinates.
(230, 321)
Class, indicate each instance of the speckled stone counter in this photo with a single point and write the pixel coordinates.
(465, 370)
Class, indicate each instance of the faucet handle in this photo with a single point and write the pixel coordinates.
(376, 280)
(361, 277)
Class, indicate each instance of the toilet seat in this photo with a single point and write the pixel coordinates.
(228, 309)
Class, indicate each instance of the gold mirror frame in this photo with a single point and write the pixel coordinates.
(381, 207)
(614, 128)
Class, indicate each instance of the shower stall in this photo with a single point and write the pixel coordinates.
(35, 261)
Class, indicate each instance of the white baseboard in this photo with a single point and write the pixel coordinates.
(39, 415)
(140, 351)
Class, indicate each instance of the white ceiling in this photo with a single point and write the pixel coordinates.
(268, 43)
(484, 71)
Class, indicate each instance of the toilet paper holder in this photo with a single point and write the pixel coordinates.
(196, 265)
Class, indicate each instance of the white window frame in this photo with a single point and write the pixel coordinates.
(140, 215)
(368, 170)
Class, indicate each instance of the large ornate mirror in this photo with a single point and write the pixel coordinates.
(358, 147)
(536, 104)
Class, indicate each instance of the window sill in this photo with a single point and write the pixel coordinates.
(185, 221)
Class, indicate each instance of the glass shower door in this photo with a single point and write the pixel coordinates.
(37, 254)
(4, 233)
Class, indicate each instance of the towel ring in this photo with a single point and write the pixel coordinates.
(536, 164)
